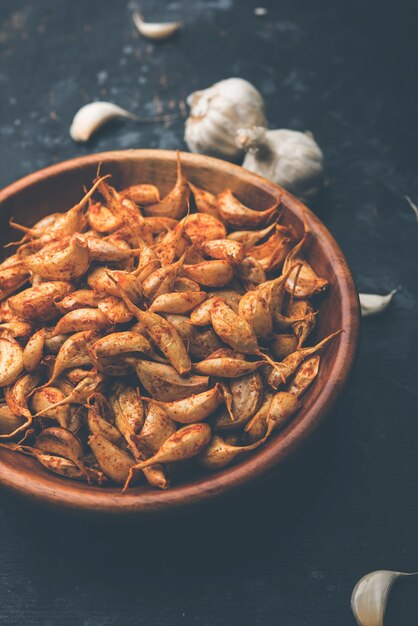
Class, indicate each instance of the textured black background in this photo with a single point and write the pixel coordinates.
(347, 72)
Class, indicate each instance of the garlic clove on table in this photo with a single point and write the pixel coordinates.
(92, 116)
(218, 112)
(289, 158)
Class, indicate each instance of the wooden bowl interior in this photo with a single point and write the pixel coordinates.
(60, 187)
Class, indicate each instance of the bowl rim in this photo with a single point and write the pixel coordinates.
(64, 493)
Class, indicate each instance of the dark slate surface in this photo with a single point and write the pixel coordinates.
(290, 553)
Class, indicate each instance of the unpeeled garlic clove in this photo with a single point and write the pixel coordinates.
(92, 116)
(370, 596)
(175, 203)
(141, 194)
(32, 353)
(372, 304)
(232, 328)
(203, 227)
(185, 443)
(305, 376)
(38, 303)
(44, 398)
(113, 461)
(178, 303)
(194, 408)
(82, 319)
(11, 361)
(155, 30)
(61, 442)
(163, 382)
(205, 201)
(226, 366)
(240, 216)
(217, 273)
(157, 428)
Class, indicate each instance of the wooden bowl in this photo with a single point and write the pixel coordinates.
(57, 188)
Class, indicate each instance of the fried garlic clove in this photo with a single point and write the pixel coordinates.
(288, 366)
(219, 453)
(9, 422)
(164, 383)
(68, 469)
(11, 279)
(257, 426)
(11, 361)
(73, 353)
(217, 273)
(226, 367)
(158, 427)
(205, 201)
(232, 329)
(98, 419)
(142, 194)
(101, 219)
(283, 406)
(128, 410)
(251, 237)
(302, 311)
(185, 443)
(174, 204)
(33, 351)
(114, 462)
(80, 299)
(177, 303)
(65, 264)
(201, 227)
(303, 282)
(251, 272)
(247, 396)
(47, 397)
(238, 215)
(16, 328)
(226, 249)
(282, 345)
(38, 303)
(116, 344)
(305, 376)
(184, 284)
(61, 442)
(82, 320)
(194, 408)
(115, 310)
(162, 280)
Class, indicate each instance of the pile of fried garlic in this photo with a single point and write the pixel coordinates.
(142, 338)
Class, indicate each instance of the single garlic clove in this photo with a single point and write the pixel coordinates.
(370, 596)
(155, 30)
(92, 116)
(372, 304)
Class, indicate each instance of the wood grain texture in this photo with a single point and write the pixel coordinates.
(60, 186)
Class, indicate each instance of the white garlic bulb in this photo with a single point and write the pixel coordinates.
(287, 157)
(218, 112)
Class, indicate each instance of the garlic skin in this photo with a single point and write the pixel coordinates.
(287, 157)
(372, 304)
(92, 116)
(218, 112)
(370, 596)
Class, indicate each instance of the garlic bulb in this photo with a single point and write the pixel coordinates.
(287, 157)
(218, 112)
